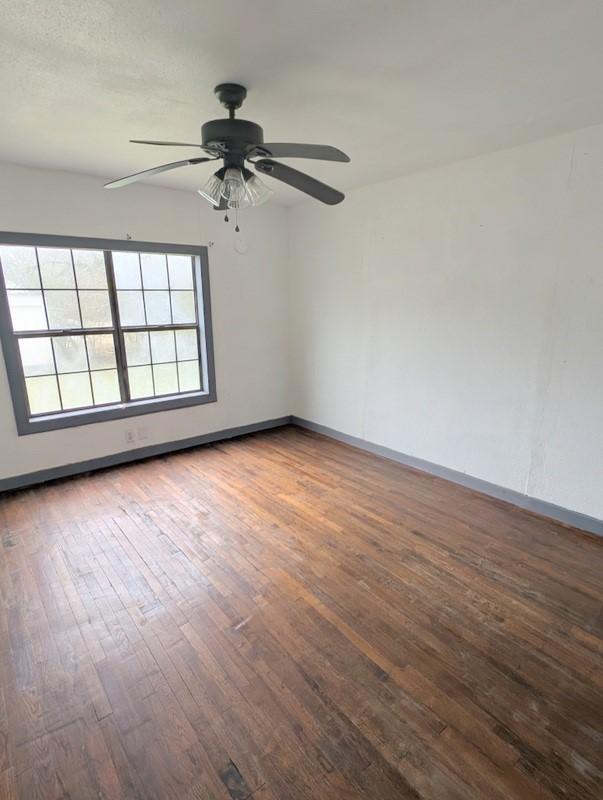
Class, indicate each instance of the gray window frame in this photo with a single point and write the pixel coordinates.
(67, 419)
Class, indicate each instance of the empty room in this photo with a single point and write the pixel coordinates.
(301, 400)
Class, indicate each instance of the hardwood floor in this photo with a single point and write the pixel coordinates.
(284, 617)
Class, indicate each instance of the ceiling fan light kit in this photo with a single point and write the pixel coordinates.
(236, 141)
(257, 190)
(212, 190)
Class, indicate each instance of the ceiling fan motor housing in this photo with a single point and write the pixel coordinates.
(237, 136)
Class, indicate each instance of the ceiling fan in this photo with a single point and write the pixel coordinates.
(236, 141)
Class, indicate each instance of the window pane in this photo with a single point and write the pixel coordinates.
(162, 346)
(166, 379)
(56, 268)
(127, 270)
(36, 356)
(105, 387)
(62, 308)
(137, 348)
(158, 308)
(186, 343)
(141, 382)
(70, 353)
(96, 311)
(90, 269)
(131, 308)
(27, 310)
(101, 350)
(20, 267)
(181, 272)
(75, 390)
(188, 372)
(57, 291)
(154, 271)
(43, 394)
(183, 307)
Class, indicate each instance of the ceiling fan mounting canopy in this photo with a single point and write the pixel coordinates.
(238, 140)
(231, 95)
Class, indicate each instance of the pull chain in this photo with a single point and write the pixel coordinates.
(227, 219)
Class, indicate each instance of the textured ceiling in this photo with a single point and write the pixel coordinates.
(400, 85)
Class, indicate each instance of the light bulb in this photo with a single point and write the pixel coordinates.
(212, 190)
(258, 192)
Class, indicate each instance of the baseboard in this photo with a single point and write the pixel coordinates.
(32, 478)
(542, 507)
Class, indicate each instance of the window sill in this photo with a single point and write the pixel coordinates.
(87, 416)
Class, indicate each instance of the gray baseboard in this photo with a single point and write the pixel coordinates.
(542, 507)
(43, 475)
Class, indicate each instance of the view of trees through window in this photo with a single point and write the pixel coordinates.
(102, 327)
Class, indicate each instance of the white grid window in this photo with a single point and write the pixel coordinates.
(94, 327)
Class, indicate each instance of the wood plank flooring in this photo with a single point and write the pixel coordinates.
(283, 617)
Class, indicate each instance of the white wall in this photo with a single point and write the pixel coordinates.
(248, 294)
(456, 315)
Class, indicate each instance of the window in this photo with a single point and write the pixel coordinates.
(95, 329)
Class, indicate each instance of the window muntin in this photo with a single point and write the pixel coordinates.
(97, 327)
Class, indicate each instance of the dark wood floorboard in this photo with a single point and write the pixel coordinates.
(283, 617)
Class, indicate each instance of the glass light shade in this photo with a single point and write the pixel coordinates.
(234, 190)
(212, 190)
(239, 188)
(257, 191)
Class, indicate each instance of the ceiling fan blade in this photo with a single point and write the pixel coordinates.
(137, 176)
(324, 152)
(208, 149)
(170, 144)
(299, 180)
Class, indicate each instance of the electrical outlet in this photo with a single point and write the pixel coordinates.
(142, 434)
(130, 437)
